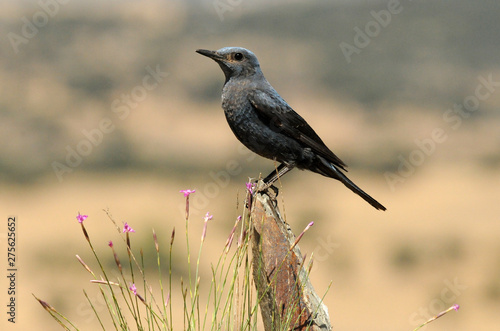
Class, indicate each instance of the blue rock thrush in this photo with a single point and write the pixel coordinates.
(268, 126)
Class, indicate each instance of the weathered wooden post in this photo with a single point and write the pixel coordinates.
(286, 296)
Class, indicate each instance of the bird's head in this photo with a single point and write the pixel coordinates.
(234, 61)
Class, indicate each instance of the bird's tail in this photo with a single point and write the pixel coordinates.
(329, 170)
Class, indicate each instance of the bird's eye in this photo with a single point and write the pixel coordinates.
(238, 56)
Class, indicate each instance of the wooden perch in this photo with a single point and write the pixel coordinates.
(286, 297)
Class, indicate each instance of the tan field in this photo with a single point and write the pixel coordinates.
(83, 132)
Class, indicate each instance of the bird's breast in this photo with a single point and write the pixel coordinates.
(235, 101)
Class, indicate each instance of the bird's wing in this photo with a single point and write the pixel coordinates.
(277, 114)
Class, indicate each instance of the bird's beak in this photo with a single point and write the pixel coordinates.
(211, 54)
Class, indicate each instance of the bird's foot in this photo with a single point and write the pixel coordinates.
(268, 188)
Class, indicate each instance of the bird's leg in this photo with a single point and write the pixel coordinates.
(275, 175)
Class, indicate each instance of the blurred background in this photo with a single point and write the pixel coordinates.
(107, 106)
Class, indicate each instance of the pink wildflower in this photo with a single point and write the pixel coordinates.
(127, 228)
(133, 289)
(187, 192)
(81, 218)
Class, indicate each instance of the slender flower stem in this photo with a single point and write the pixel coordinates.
(300, 235)
(454, 307)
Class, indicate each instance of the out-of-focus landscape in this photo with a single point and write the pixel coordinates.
(107, 105)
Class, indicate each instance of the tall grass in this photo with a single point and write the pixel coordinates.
(132, 302)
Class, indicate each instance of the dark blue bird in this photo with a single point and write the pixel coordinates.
(268, 126)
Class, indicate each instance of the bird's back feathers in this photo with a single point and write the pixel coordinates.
(282, 118)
